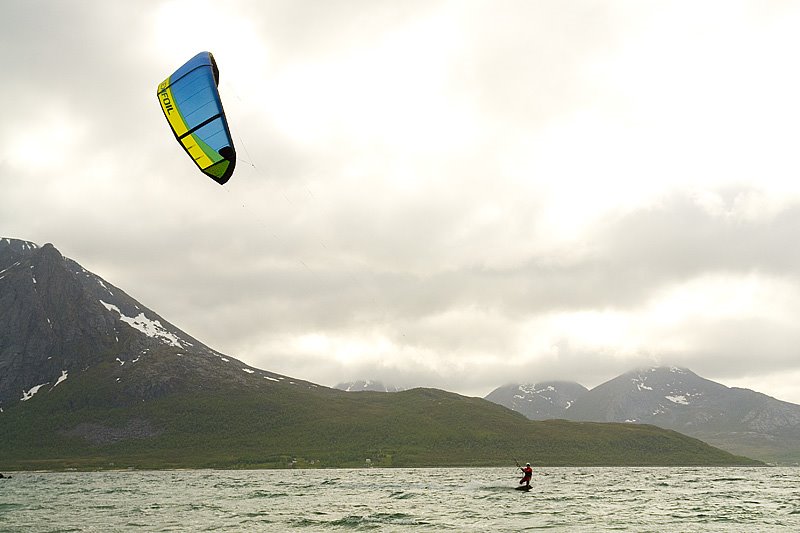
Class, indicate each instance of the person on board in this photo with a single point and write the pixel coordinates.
(527, 474)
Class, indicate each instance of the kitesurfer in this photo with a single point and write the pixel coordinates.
(527, 474)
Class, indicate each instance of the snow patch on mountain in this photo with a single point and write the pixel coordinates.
(530, 392)
(680, 399)
(531, 389)
(151, 328)
(640, 380)
(9, 268)
(27, 395)
(62, 377)
(100, 282)
(367, 385)
(23, 245)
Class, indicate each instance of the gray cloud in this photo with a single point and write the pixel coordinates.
(413, 250)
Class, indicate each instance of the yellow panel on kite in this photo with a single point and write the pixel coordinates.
(190, 101)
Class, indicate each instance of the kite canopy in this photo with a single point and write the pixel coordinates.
(190, 102)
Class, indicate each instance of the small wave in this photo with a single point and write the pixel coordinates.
(307, 522)
(10, 507)
(267, 494)
(488, 488)
(380, 519)
(373, 521)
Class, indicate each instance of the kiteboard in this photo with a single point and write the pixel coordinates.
(524, 487)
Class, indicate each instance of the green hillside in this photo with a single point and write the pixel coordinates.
(86, 424)
(90, 378)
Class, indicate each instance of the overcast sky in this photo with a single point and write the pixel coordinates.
(450, 194)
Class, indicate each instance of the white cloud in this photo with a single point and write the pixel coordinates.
(439, 193)
(43, 141)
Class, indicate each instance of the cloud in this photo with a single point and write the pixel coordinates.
(452, 194)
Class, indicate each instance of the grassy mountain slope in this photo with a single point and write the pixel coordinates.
(90, 378)
(256, 426)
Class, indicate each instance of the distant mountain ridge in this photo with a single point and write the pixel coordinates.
(739, 420)
(90, 378)
(367, 385)
(540, 401)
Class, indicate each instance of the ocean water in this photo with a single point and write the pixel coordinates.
(455, 499)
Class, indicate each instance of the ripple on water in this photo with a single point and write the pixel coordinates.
(568, 499)
(267, 494)
(378, 520)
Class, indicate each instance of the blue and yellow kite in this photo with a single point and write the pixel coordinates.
(190, 101)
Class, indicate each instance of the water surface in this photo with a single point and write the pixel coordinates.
(454, 499)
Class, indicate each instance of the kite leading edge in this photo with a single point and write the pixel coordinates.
(192, 106)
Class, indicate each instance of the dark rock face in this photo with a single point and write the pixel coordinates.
(52, 320)
(31, 288)
(58, 320)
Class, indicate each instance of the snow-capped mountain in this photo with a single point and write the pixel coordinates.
(57, 320)
(738, 420)
(367, 385)
(541, 401)
(677, 398)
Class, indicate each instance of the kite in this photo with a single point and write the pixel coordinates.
(192, 106)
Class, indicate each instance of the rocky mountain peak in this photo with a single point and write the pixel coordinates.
(16, 246)
(49, 254)
(57, 320)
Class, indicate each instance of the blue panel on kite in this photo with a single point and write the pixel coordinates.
(191, 103)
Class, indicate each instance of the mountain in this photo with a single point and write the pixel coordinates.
(541, 401)
(738, 420)
(91, 378)
(58, 320)
(367, 385)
